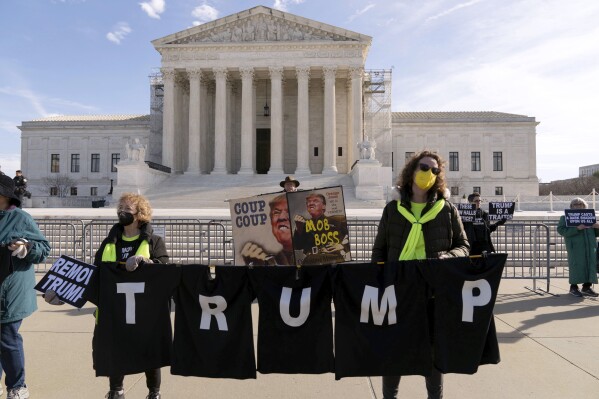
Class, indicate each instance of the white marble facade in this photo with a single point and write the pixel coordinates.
(218, 76)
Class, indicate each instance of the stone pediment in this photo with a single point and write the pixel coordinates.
(261, 24)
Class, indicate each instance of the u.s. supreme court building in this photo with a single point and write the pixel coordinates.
(268, 92)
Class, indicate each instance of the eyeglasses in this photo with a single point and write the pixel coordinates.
(425, 168)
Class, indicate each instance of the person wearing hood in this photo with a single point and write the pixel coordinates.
(22, 245)
(421, 225)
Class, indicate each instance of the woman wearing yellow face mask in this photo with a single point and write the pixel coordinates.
(421, 225)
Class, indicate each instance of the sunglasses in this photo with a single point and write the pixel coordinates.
(425, 168)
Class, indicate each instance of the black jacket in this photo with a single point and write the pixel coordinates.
(443, 235)
(158, 252)
(479, 234)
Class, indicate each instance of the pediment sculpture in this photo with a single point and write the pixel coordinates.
(262, 28)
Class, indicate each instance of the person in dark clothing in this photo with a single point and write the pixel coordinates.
(22, 245)
(129, 244)
(479, 231)
(421, 225)
(21, 186)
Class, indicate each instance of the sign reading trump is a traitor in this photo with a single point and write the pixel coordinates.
(69, 278)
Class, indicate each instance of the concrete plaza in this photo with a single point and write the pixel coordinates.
(549, 347)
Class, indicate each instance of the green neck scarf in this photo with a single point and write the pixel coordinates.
(409, 248)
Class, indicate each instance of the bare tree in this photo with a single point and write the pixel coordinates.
(578, 185)
(62, 183)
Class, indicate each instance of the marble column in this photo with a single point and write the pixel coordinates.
(330, 126)
(195, 105)
(247, 120)
(168, 118)
(220, 122)
(276, 121)
(356, 105)
(303, 120)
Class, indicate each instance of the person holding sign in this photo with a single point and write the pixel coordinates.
(130, 244)
(289, 185)
(422, 225)
(21, 245)
(581, 244)
(479, 231)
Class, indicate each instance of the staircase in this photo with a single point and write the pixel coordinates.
(213, 191)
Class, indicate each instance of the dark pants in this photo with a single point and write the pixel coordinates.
(12, 355)
(434, 385)
(152, 381)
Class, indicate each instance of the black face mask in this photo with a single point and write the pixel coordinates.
(125, 218)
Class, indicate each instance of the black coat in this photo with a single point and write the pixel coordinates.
(443, 235)
(479, 234)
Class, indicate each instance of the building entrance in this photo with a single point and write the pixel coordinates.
(262, 151)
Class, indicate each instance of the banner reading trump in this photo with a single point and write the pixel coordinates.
(262, 230)
(319, 226)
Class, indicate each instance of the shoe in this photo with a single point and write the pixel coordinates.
(575, 292)
(115, 395)
(17, 393)
(588, 291)
(154, 395)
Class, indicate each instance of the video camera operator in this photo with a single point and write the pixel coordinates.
(21, 186)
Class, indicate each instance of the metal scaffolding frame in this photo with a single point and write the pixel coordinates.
(377, 112)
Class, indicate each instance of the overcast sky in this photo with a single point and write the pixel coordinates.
(532, 57)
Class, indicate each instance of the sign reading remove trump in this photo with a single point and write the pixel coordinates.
(69, 278)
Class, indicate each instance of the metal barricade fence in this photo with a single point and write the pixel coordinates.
(64, 236)
(535, 249)
(186, 240)
(528, 246)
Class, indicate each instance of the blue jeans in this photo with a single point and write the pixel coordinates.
(12, 355)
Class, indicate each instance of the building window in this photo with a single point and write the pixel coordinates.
(498, 190)
(53, 191)
(455, 191)
(497, 161)
(475, 160)
(409, 156)
(315, 151)
(454, 162)
(95, 163)
(93, 191)
(115, 159)
(73, 191)
(55, 163)
(339, 151)
(74, 163)
(476, 189)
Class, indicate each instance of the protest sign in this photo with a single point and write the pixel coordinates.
(319, 226)
(261, 230)
(69, 278)
(576, 217)
(467, 212)
(501, 210)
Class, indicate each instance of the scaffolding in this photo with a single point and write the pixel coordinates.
(156, 99)
(377, 112)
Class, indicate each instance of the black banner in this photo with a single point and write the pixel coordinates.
(389, 319)
(295, 329)
(213, 324)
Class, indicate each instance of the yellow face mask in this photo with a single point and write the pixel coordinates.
(425, 180)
